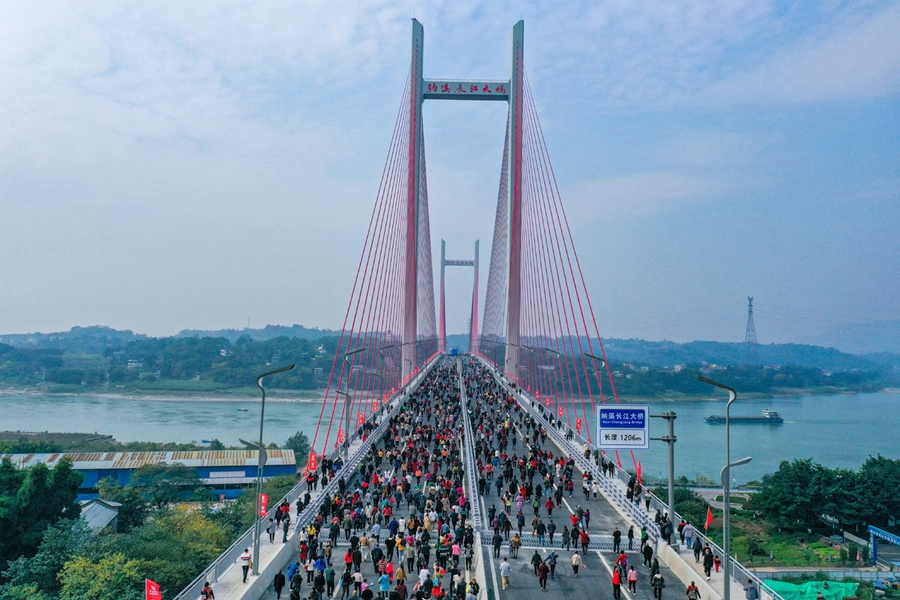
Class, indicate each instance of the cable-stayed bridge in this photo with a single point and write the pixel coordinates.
(536, 369)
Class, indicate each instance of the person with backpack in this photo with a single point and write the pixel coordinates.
(207, 592)
(693, 593)
(657, 583)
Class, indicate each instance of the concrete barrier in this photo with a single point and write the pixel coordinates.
(685, 572)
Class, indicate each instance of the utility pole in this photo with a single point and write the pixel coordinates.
(670, 439)
(750, 335)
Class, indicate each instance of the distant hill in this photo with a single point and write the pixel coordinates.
(269, 332)
(95, 339)
(669, 354)
(100, 340)
(863, 338)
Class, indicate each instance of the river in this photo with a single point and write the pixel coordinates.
(836, 431)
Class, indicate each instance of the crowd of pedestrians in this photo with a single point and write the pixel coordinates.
(404, 520)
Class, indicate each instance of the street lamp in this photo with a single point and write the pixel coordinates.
(261, 464)
(726, 482)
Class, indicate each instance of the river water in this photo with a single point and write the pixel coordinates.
(836, 431)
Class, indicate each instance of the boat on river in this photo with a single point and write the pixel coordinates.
(768, 417)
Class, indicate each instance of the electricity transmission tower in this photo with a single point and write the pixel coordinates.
(750, 336)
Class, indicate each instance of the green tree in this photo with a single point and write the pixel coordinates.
(197, 538)
(61, 542)
(113, 577)
(24, 592)
(31, 500)
(300, 444)
(878, 482)
(162, 483)
(800, 491)
(134, 510)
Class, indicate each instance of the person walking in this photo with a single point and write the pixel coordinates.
(346, 580)
(278, 583)
(514, 544)
(693, 593)
(536, 561)
(585, 540)
(632, 578)
(631, 537)
(707, 562)
(657, 583)
(617, 584)
(271, 529)
(576, 562)
(543, 573)
(496, 541)
(750, 590)
(505, 571)
(648, 554)
(246, 561)
(697, 547)
(285, 525)
(566, 539)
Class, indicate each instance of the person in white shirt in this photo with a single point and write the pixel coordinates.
(246, 560)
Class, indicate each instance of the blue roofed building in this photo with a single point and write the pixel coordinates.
(225, 472)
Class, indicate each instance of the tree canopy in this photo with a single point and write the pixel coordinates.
(801, 491)
(31, 500)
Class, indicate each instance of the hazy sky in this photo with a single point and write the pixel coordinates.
(168, 165)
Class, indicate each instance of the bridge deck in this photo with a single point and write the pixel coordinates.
(594, 578)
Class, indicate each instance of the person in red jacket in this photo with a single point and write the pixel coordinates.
(617, 584)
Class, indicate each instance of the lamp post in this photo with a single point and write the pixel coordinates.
(261, 464)
(726, 483)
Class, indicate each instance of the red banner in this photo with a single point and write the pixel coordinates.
(360, 419)
(374, 405)
(263, 504)
(151, 590)
(340, 436)
(561, 411)
(578, 424)
(709, 518)
(313, 463)
(548, 401)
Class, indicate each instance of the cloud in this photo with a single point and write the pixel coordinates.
(632, 195)
(855, 59)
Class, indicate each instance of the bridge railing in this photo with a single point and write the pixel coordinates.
(229, 557)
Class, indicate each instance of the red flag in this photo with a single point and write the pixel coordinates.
(708, 518)
(151, 590)
(263, 504)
